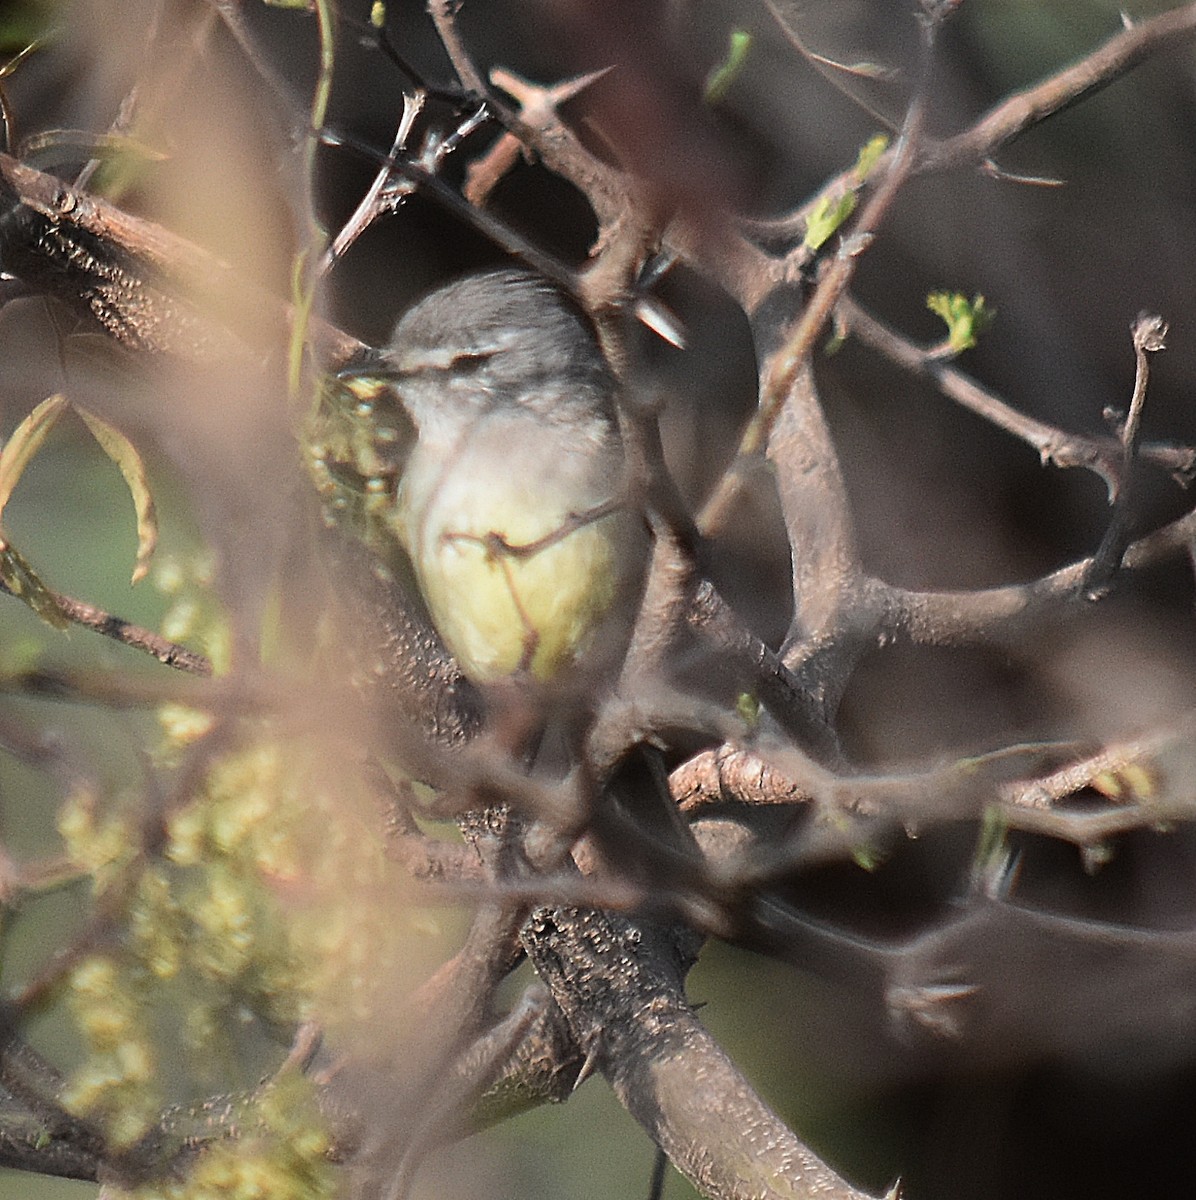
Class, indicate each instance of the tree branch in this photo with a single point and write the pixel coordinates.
(619, 984)
(1102, 455)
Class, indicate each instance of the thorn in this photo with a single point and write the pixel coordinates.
(939, 1008)
(588, 1067)
(530, 95)
(661, 320)
(994, 171)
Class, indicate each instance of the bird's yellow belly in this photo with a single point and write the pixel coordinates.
(513, 597)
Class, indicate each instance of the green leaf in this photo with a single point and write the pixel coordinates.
(830, 211)
(377, 14)
(991, 855)
(867, 857)
(966, 319)
(718, 82)
(748, 708)
(25, 443)
(20, 579)
(827, 216)
(869, 155)
(124, 454)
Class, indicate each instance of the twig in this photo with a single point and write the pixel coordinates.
(434, 861)
(443, 14)
(731, 775)
(497, 231)
(782, 371)
(825, 570)
(150, 289)
(369, 208)
(619, 984)
(974, 617)
(463, 1083)
(835, 73)
(110, 689)
(172, 654)
(1104, 456)
(536, 105)
(1013, 116)
(123, 122)
(1149, 334)
(58, 1142)
(1026, 109)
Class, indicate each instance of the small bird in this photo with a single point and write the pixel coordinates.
(512, 504)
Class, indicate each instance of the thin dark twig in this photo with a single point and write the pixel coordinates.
(230, 13)
(660, 1164)
(835, 73)
(1149, 334)
(443, 14)
(497, 546)
(109, 688)
(782, 372)
(171, 654)
(1026, 109)
(1101, 455)
(378, 36)
(389, 188)
(370, 208)
(501, 234)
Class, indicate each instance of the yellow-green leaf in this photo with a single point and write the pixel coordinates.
(63, 147)
(25, 443)
(828, 214)
(830, 211)
(869, 155)
(20, 579)
(866, 856)
(966, 319)
(124, 454)
(718, 82)
(748, 708)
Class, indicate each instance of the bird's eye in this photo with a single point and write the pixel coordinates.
(470, 360)
(411, 363)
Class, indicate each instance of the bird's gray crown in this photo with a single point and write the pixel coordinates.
(499, 337)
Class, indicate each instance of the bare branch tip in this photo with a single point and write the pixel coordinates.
(1150, 332)
(935, 12)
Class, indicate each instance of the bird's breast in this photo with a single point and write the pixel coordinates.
(521, 571)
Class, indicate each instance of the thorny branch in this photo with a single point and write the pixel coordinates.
(780, 373)
(1104, 456)
(1027, 109)
(1149, 333)
(617, 982)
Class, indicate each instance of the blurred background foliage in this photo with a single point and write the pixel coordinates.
(941, 499)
